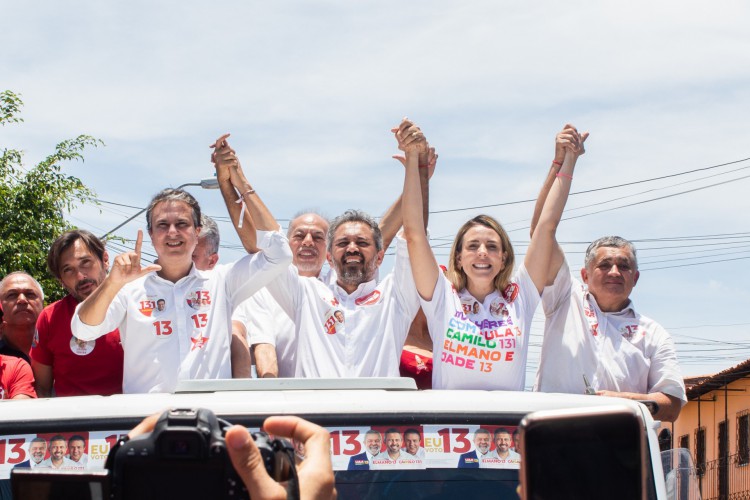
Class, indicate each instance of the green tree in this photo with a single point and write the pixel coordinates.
(32, 201)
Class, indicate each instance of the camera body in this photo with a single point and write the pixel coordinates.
(185, 457)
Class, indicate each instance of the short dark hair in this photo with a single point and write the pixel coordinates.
(352, 215)
(412, 431)
(392, 430)
(65, 241)
(76, 438)
(171, 194)
(501, 430)
(58, 437)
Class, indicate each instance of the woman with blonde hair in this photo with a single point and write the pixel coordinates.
(479, 314)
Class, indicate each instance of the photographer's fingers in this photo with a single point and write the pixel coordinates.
(316, 472)
(146, 426)
(248, 463)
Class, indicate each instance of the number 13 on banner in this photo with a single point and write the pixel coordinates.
(15, 452)
(449, 440)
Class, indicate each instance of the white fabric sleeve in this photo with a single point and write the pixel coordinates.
(557, 294)
(434, 309)
(403, 279)
(114, 317)
(664, 374)
(257, 320)
(286, 290)
(253, 272)
(528, 295)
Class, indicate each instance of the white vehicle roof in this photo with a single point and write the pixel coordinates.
(303, 397)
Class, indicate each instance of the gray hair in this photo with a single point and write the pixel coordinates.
(609, 242)
(210, 231)
(299, 214)
(171, 194)
(15, 273)
(359, 216)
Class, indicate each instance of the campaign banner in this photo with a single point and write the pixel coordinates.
(81, 450)
(379, 447)
(424, 447)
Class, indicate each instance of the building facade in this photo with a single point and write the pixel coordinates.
(715, 426)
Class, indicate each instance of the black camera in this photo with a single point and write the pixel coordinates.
(184, 457)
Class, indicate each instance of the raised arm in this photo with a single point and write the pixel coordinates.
(225, 159)
(567, 139)
(126, 268)
(392, 220)
(542, 255)
(424, 266)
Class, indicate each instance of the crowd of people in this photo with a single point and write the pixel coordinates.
(134, 327)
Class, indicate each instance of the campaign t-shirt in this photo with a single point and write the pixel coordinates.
(481, 345)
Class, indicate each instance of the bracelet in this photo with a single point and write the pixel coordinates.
(241, 201)
(564, 175)
(558, 163)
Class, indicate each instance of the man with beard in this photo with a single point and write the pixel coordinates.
(22, 299)
(58, 447)
(502, 457)
(376, 314)
(475, 458)
(336, 318)
(75, 367)
(37, 450)
(394, 457)
(373, 442)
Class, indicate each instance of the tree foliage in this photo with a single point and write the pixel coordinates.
(32, 201)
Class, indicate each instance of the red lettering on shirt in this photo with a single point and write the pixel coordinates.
(147, 307)
(369, 299)
(330, 325)
(511, 292)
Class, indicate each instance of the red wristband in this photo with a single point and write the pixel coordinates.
(558, 163)
(564, 175)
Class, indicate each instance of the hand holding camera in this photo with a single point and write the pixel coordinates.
(189, 453)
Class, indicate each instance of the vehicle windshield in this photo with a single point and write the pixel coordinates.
(427, 484)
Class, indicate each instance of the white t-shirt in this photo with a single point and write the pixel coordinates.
(82, 462)
(376, 318)
(182, 331)
(383, 461)
(481, 346)
(622, 351)
(66, 464)
(494, 461)
(267, 323)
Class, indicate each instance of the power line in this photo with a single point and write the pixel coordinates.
(595, 189)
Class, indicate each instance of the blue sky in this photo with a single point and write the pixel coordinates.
(309, 91)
